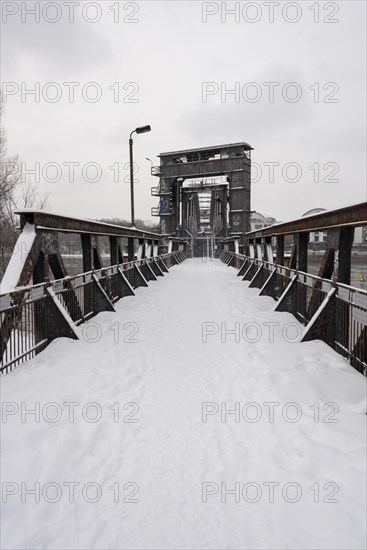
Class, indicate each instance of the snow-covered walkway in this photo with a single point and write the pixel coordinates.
(134, 418)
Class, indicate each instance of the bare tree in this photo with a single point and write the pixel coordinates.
(9, 172)
(14, 194)
(29, 197)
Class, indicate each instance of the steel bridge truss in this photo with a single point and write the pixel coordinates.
(330, 309)
(32, 316)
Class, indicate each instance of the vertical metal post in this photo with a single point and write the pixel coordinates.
(280, 250)
(303, 239)
(345, 254)
(268, 250)
(236, 246)
(87, 252)
(114, 259)
(149, 248)
(140, 254)
(259, 253)
(39, 315)
(87, 266)
(130, 249)
(132, 181)
(328, 260)
(39, 272)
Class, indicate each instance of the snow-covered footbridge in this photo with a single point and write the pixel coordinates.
(209, 410)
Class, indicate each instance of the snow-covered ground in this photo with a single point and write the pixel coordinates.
(166, 463)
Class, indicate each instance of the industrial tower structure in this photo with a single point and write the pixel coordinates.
(205, 193)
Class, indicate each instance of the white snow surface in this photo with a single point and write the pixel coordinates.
(20, 252)
(170, 452)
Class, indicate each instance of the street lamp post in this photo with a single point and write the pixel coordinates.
(140, 130)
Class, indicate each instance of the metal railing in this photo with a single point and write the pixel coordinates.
(22, 316)
(330, 311)
(30, 318)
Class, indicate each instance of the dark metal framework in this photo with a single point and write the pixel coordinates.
(232, 161)
(32, 316)
(333, 312)
(339, 225)
(326, 304)
(45, 254)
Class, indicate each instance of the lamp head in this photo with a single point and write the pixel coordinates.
(143, 129)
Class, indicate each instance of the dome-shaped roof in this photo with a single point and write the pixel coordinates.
(258, 215)
(313, 211)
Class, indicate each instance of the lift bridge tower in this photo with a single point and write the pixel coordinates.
(205, 193)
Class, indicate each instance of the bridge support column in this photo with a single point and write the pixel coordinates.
(302, 246)
(87, 266)
(337, 257)
(346, 238)
(259, 252)
(141, 250)
(299, 251)
(41, 270)
(268, 250)
(280, 250)
(239, 201)
(130, 249)
(116, 256)
(148, 249)
(144, 253)
(252, 249)
(292, 264)
(328, 261)
(40, 273)
(57, 266)
(96, 254)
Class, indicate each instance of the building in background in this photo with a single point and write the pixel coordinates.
(317, 239)
(259, 221)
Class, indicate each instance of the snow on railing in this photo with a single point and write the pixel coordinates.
(31, 317)
(331, 311)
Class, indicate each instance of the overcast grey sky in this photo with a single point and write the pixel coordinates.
(150, 62)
